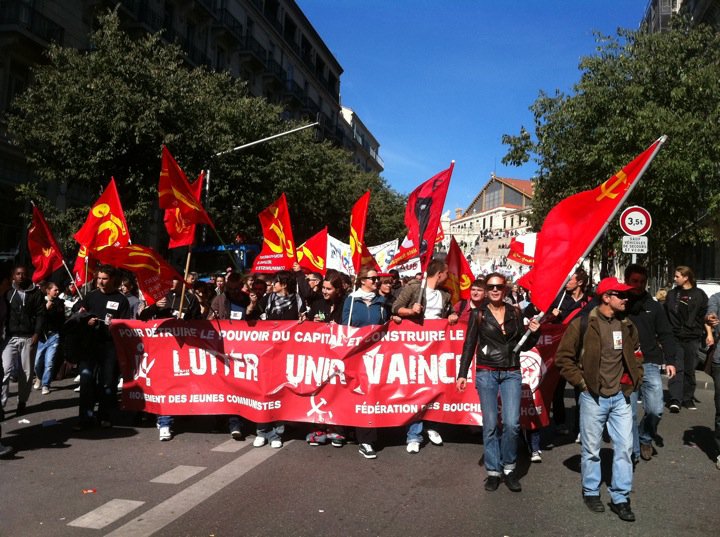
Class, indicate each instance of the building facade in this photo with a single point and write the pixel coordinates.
(270, 44)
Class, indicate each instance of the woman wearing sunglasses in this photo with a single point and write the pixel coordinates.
(493, 332)
(364, 307)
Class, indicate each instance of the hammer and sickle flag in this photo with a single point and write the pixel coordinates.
(460, 275)
(312, 254)
(278, 249)
(178, 220)
(359, 252)
(175, 192)
(154, 274)
(45, 253)
(573, 226)
(105, 226)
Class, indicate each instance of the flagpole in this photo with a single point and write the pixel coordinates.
(72, 278)
(660, 141)
(187, 270)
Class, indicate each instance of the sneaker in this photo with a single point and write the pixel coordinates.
(76, 379)
(674, 407)
(77, 389)
(165, 434)
(492, 482)
(594, 503)
(276, 444)
(623, 511)
(690, 405)
(236, 432)
(717, 462)
(536, 456)
(512, 482)
(435, 437)
(316, 438)
(45, 390)
(6, 451)
(336, 439)
(646, 451)
(577, 440)
(259, 441)
(36, 384)
(367, 451)
(413, 447)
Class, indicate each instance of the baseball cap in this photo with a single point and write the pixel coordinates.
(611, 284)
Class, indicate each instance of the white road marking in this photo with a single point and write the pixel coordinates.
(174, 507)
(231, 446)
(178, 475)
(105, 514)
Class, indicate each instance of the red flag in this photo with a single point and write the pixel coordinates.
(154, 274)
(278, 250)
(408, 250)
(178, 220)
(312, 254)
(572, 227)
(45, 254)
(423, 213)
(175, 192)
(358, 219)
(460, 275)
(105, 226)
(522, 249)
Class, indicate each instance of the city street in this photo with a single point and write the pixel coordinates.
(123, 481)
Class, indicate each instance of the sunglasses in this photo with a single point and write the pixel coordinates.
(621, 296)
(496, 287)
(373, 278)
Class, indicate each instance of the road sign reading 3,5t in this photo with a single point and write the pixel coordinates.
(635, 221)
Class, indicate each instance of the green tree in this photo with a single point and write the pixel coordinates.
(90, 115)
(636, 87)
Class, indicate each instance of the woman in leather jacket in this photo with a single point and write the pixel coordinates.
(493, 332)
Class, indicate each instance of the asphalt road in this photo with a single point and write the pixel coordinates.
(123, 481)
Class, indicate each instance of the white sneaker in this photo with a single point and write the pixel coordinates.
(259, 441)
(76, 379)
(435, 437)
(717, 462)
(413, 447)
(536, 456)
(165, 434)
(45, 390)
(77, 389)
(276, 444)
(36, 384)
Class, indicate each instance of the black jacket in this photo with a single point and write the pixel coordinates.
(54, 319)
(686, 310)
(653, 328)
(493, 348)
(26, 314)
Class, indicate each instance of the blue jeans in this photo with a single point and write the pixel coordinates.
(595, 412)
(164, 421)
(414, 432)
(45, 359)
(652, 394)
(500, 451)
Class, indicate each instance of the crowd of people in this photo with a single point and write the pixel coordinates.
(618, 343)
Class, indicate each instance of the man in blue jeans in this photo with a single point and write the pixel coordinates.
(597, 355)
(659, 347)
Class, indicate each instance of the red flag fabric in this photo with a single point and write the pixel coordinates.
(571, 228)
(45, 253)
(105, 226)
(522, 249)
(312, 254)
(178, 220)
(278, 250)
(175, 192)
(154, 274)
(358, 219)
(409, 251)
(460, 275)
(423, 213)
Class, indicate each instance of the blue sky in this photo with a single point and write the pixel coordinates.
(436, 81)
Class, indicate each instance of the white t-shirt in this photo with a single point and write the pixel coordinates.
(433, 304)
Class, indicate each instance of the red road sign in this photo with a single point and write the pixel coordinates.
(635, 221)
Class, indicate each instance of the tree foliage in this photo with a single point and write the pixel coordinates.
(90, 115)
(636, 87)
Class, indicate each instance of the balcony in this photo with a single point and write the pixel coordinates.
(252, 52)
(226, 22)
(143, 15)
(274, 74)
(24, 17)
(294, 93)
(311, 108)
(195, 55)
